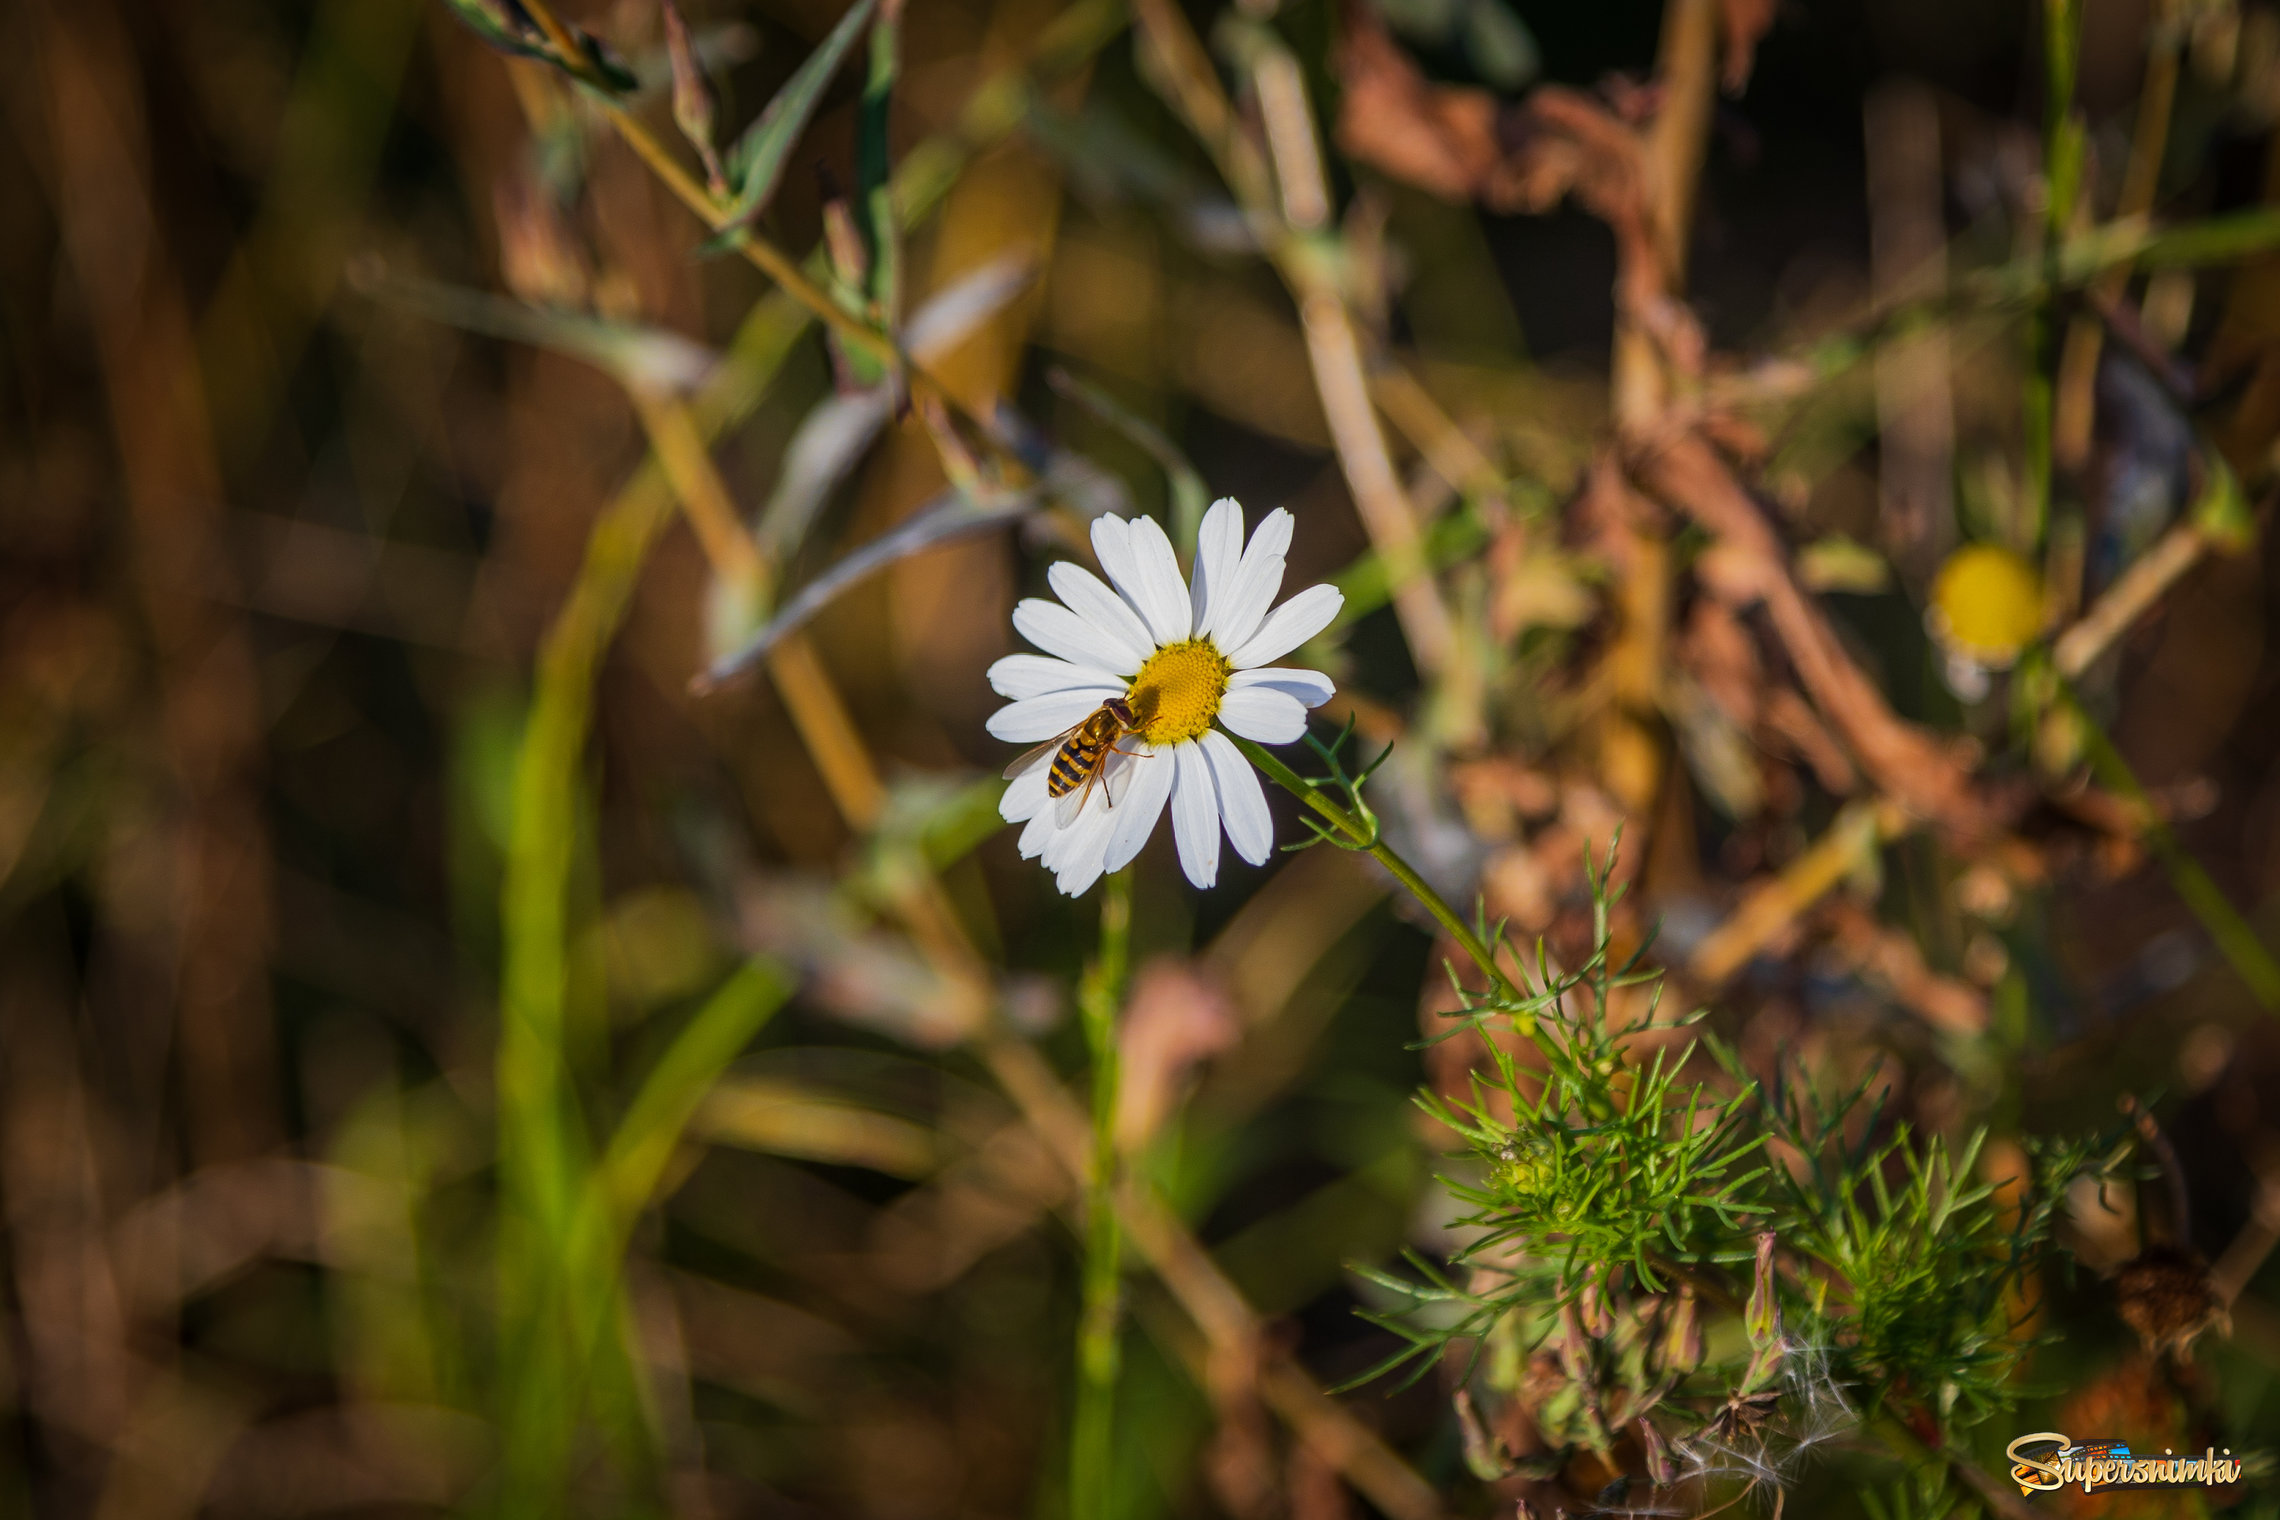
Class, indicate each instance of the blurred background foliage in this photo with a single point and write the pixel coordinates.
(514, 996)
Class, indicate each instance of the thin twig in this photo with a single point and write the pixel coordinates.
(1686, 68)
(1333, 346)
(1686, 65)
(2235, 937)
(1776, 904)
(1433, 432)
(2172, 1170)
(2130, 597)
(828, 731)
(1908, 764)
(1644, 388)
(2253, 1245)
(816, 710)
(705, 499)
(1215, 1305)
(2076, 402)
(1334, 350)
(757, 249)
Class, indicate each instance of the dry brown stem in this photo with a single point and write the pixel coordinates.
(1907, 764)
(1776, 904)
(210, 711)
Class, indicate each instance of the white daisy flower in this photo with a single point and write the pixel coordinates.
(1182, 658)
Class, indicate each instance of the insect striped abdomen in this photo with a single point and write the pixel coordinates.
(1080, 756)
(1068, 771)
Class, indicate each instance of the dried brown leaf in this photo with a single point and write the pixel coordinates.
(1740, 24)
(1442, 139)
(695, 107)
(1891, 958)
(1178, 1018)
(1908, 764)
(1563, 142)
(1316, 1490)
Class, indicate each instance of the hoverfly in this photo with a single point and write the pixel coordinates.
(1080, 756)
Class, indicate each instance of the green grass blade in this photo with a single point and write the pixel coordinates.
(542, 1149)
(874, 166)
(1185, 483)
(756, 163)
(669, 1095)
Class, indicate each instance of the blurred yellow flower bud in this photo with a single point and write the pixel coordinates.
(1987, 606)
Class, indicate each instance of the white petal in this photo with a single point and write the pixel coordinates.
(1311, 687)
(1195, 815)
(1091, 600)
(1077, 854)
(1038, 832)
(1142, 804)
(1063, 836)
(1139, 559)
(1025, 793)
(1263, 714)
(1078, 879)
(1288, 626)
(1040, 718)
(1271, 538)
(1242, 802)
(1160, 563)
(1056, 630)
(1036, 675)
(1235, 617)
(1218, 556)
(1112, 546)
(1242, 608)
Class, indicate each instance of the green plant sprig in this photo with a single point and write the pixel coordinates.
(1353, 826)
(1610, 1205)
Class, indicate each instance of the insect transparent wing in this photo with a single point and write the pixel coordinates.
(1065, 811)
(1032, 756)
(1121, 766)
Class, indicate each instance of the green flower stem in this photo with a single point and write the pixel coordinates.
(1097, 1345)
(1365, 837)
(2235, 938)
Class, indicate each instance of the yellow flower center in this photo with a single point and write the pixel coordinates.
(1987, 604)
(1177, 693)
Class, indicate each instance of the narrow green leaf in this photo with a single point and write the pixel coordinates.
(2216, 240)
(947, 517)
(756, 163)
(874, 166)
(833, 438)
(495, 24)
(1189, 494)
(669, 1095)
(501, 24)
(643, 358)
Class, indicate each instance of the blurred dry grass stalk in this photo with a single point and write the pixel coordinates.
(495, 1022)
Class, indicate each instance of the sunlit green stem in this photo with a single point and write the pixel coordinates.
(1097, 1347)
(2063, 148)
(1366, 838)
(2234, 937)
(543, 1149)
